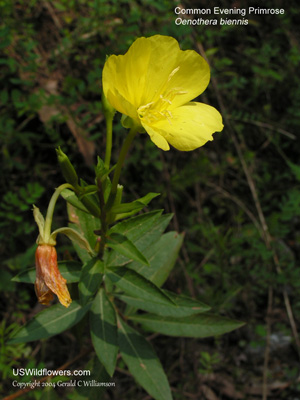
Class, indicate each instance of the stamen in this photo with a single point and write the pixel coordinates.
(142, 108)
(173, 73)
(166, 100)
(168, 115)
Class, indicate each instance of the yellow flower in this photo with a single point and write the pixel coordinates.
(48, 278)
(154, 83)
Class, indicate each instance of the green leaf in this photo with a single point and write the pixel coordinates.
(142, 230)
(124, 246)
(88, 189)
(137, 286)
(85, 224)
(138, 226)
(49, 393)
(295, 169)
(98, 374)
(162, 256)
(135, 205)
(198, 326)
(71, 198)
(90, 279)
(50, 322)
(70, 270)
(74, 236)
(143, 363)
(104, 331)
(183, 307)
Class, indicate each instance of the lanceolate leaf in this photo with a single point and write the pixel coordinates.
(143, 363)
(161, 256)
(136, 227)
(85, 224)
(142, 230)
(88, 391)
(71, 198)
(104, 331)
(124, 246)
(90, 279)
(198, 326)
(137, 286)
(50, 322)
(184, 307)
(75, 236)
(136, 205)
(70, 270)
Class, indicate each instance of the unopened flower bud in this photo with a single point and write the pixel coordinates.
(67, 168)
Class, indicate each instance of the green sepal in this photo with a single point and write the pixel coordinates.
(40, 221)
(104, 331)
(129, 123)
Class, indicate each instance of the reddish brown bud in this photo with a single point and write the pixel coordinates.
(48, 278)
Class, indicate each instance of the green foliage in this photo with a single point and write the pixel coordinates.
(10, 354)
(14, 208)
(50, 322)
(122, 272)
(208, 362)
(143, 362)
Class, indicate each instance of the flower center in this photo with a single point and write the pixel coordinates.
(157, 110)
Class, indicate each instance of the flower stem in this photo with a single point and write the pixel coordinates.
(109, 123)
(127, 142)
(50, 211)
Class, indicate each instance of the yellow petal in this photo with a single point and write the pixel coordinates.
(115, 87)
(188, 79)
(130, 76)
(154, 72)
(157, 138)
(188, 127)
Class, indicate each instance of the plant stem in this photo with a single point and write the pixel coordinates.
(127, 142)
(109, 123)
(50, 211)
(102, 219)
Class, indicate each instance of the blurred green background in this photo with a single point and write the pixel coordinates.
(237, 199)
